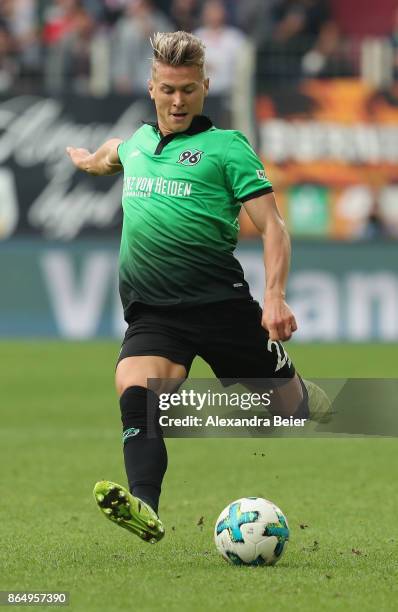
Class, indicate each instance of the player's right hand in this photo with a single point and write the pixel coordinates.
(278, 319)
(80, 158)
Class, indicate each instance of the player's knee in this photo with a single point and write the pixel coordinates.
(158, 374)
(135, 375)
(147, 381)
(133, 379)
(139, 408)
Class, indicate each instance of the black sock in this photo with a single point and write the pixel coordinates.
(302, 411)
(145, 455)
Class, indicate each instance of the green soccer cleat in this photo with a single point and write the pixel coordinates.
(320, 406)
(119, 506)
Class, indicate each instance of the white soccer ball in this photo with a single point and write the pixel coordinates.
(251, 531)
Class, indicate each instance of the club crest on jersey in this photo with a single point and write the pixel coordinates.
(190, 157)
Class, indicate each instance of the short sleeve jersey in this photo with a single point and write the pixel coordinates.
(182, 194)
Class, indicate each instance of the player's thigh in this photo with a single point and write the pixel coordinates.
(241, 352)
(152, 355)
(137, 370)
(239, 347)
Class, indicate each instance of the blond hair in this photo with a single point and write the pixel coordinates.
(177, 49)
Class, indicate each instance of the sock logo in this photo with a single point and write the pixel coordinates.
(130, 433)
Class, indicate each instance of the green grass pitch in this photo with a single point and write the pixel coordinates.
(60, 433)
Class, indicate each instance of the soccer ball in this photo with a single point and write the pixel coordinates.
(251, 531)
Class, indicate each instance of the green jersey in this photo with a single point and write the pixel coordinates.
(182, 194)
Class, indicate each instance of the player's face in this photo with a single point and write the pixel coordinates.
(179, 93)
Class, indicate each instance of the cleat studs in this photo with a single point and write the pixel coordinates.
(152, 541)
(108, 511)
(100, 497)
(151, 524)
(122, 494)
(114, 503)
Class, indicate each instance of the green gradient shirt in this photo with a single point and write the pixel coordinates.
(182, 195)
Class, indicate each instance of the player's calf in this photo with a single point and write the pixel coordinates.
(301, 399)
(145, 454)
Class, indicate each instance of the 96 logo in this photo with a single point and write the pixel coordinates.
(190, 157)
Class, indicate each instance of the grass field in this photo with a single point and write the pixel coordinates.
(60, 433)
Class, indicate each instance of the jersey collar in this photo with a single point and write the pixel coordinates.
(200, 123)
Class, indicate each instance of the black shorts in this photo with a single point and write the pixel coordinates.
(227, 335)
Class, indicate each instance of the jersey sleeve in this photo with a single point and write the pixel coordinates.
(244, 170)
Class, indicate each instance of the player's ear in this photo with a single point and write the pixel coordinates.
(150, 88)
(206, 83)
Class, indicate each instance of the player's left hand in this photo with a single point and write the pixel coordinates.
(278, 319)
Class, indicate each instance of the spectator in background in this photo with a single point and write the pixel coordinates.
(163, 6)
(185, 14)
(223, 46)
(130, 66)
(67, 35)
(8, 64)
(111, 11)
(329, 57)
(256, 18)
(21, 21)
(376, 225)
(394, 43)
(297, 27)
(58, 19)
(300, 20)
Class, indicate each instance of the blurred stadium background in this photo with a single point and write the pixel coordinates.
(312, 83)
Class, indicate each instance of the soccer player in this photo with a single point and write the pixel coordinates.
(183, 292)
